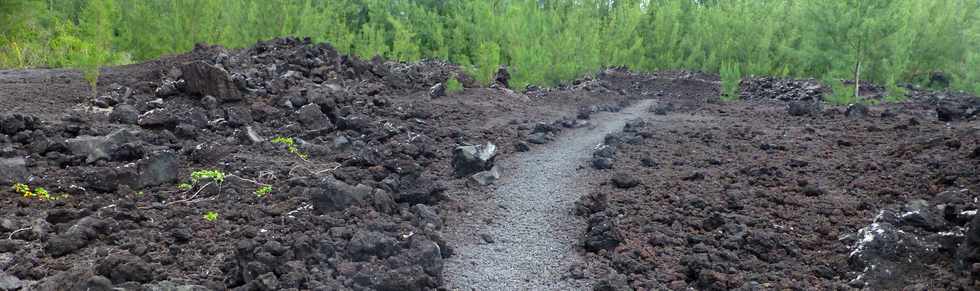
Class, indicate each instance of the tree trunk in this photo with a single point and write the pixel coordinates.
(857, 80)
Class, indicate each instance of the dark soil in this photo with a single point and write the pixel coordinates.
(364, 211)
(743, 195)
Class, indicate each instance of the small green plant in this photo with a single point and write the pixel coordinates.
(211, 216)
(453, 85)
(840, 94)
(22, 189)
(213, 175)
(42, 193)
(263, 191)
(730, 78)
(290, 146)
(39, 193)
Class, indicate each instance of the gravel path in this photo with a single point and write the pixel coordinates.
(531, 224)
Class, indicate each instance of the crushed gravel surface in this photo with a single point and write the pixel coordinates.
(531, 223)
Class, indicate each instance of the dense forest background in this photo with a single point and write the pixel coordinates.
(889, 42)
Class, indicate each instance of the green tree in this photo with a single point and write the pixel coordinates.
(860, 27)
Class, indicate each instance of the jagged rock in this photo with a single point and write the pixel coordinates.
(11, 282)
(591, 203)
(949, 113)
(542, 127)
(97, 283)
(584, 112)
(209, 102)
(634, 125)
(414, 189)
(471, 159)
(121, 268)
(267, 282)
(605, 151)
(125, 114)
(856, 110)
(662, 108)
(172, 286)
(502, 77)
(600, 163)
(158, 168)
(538, 138)
(625, 181)
(341, 142)
(312, 117)
(204, 79)
(13, 123)
(612, 282)
(522, 146)
(169, 88)
(253, 136)
(77, 237)
(425, 214)
(13, 170)
(800, 108)
(357, 122)
(883, 255)
(780, 89)
(238, 116)
(333, 195)
(888, 113)
(366, 243)
(160, 117)
(602, 233)
(486, 177)
(99, 147)
(383, 202)
(438, 90)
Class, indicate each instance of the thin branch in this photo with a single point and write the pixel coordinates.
(11, 236)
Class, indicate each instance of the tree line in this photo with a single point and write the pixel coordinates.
(544, 42)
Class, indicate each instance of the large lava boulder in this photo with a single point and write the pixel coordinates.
(13, 170)
(95, 148)
(884, 255)
(204, 79)
(333, 195)
(470, 159)
(602, 233)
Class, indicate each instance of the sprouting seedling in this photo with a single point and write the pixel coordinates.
(263, 191)
(211, 216)
(290, 146)
(184, 186)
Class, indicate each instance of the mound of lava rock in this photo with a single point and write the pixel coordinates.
(771, 88)
(350, 206)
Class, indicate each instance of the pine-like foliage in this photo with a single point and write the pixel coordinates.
(543, 42)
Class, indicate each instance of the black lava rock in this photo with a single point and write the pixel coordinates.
(625, 181)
